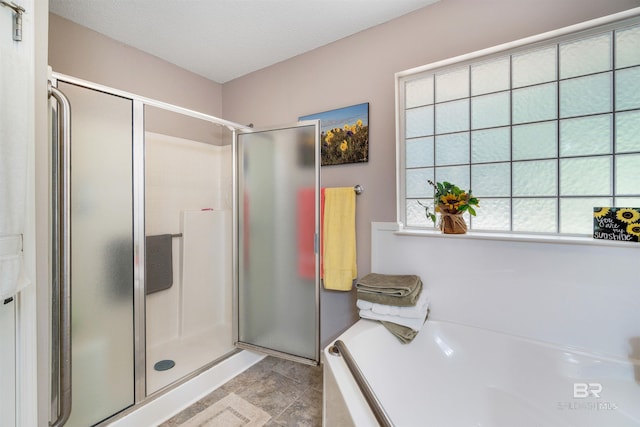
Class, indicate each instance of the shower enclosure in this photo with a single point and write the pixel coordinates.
(177, 239)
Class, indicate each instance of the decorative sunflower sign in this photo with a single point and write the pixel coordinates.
(616, 224)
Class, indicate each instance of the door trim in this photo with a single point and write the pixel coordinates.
(276, 353)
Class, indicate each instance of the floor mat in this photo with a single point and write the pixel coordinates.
(231, 411)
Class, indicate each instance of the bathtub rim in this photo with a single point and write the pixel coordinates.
(355, 330)
(358, 409)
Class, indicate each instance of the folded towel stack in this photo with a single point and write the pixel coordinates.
(397, 301)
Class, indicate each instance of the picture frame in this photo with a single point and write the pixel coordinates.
(344, 134)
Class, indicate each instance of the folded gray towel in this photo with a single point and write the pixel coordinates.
(388, 284)
(397, 290)
(406, 301)
(403, 333)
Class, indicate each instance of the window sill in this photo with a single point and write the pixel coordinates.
(515, 237)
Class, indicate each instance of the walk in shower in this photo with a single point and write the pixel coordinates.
(146, 184)
(145, 245)
(188, 208)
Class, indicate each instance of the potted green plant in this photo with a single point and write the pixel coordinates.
(451, 202)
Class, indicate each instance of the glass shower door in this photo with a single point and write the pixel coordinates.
(102, 260)
(278, 216)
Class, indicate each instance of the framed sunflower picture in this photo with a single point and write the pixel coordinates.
(344, 134)
(616, 224)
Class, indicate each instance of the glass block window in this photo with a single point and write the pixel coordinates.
(540, 133)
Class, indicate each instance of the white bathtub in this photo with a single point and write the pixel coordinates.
(454, 375)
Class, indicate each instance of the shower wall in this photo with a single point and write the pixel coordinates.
(188, 194)
(182, 178)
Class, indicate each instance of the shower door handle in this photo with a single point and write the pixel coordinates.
(61, 252)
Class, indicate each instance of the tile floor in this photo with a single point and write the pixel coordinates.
(289, 392)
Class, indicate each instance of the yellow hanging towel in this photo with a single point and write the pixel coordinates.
(339, 238)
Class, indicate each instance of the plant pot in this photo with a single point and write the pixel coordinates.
(452, 223)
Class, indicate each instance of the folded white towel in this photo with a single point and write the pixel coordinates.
(417, 311)
(409, 322)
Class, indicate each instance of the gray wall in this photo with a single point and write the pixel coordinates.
(79, 52)
(353, 70)
(361, 68)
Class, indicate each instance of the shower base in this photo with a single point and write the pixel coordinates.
(167, 404)
(189, 354)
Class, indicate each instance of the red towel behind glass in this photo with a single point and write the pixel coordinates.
(306, 231)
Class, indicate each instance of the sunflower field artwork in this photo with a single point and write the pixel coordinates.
(611, 223)
(344, 134)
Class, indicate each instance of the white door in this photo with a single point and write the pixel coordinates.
(16, 140)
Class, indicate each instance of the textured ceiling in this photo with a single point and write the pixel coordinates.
(225, 39)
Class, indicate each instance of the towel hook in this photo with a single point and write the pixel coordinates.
(17, 18)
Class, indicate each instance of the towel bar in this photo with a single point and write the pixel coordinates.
(172, 235)
(358, 189)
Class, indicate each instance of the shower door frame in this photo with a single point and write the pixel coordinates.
(138, 191)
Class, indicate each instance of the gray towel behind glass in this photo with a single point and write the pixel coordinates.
(159, 263)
